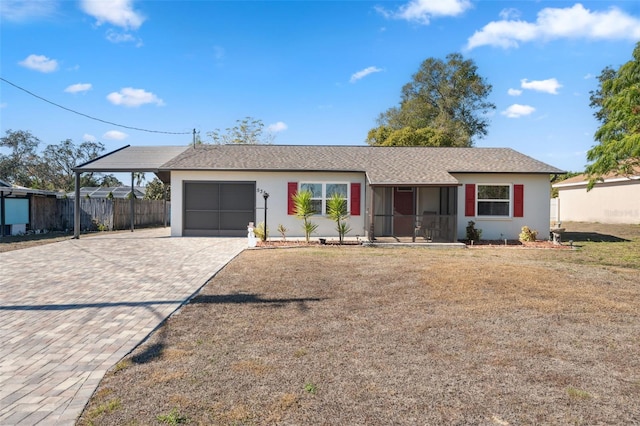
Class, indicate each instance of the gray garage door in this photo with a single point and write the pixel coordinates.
(218, 208)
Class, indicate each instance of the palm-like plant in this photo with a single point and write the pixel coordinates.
(337, 211)
(303, 209)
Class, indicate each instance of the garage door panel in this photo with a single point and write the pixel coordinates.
(237, 197)
(235, 220)
(202, 196)
(218, 208)
(202, 220)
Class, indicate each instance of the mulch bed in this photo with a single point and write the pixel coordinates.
(540, 244)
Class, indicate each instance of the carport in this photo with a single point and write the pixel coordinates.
(128, 159)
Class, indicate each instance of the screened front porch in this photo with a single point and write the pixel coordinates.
(414, 213)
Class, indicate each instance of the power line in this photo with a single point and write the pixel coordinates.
(90, 117)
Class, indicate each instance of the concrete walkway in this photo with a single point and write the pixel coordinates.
(69, 311)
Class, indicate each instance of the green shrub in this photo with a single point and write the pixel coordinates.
(337, 211)
(473, 234)
(303, 207)
(283, 231)
(260, 232)
(528, 234)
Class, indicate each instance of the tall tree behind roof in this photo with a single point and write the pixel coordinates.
(445, 104)
(617, 103)
(248, 131)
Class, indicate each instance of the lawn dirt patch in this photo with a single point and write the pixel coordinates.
(405, 336)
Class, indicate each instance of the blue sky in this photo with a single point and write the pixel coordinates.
(315, 73)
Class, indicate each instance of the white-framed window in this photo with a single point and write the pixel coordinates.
(494, 200)
(322, 191)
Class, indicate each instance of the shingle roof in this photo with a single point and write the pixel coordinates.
(583, 179)
(383, 165)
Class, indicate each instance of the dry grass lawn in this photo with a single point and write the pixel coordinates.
(376, 336)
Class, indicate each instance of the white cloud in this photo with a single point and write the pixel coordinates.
(117, 37)
(363, 73)
(131, 97)
(115, 135)
(550, 85)
(277, 127)
(511, 13)
(25, 10)
(79, 87)
(88, 138)
(421, 11)
(517, 111)
(514, 92)
(553, 23)
(115, 12)
(40, 63)
(218, 52)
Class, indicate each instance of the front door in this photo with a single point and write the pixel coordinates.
(404, 209)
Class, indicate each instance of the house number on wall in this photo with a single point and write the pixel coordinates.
(260, 191)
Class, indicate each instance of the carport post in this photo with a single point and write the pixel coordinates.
(164, 206)
(76, 208)
(132, 201)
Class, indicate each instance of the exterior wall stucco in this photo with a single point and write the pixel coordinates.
(536, 206)
(617, 202)
(274, 183)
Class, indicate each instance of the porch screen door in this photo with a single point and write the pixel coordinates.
(403, 211)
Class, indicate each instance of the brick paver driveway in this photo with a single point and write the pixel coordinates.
(69, 311)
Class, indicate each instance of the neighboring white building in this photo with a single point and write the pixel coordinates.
(390, 191)
(614, 200)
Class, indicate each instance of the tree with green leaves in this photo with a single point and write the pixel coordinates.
(60, 159)
(21, 165)
(560, 178)
(617, 103)
(156, 189)
(248, 131)
(106, 180)
(445, 104)
(303, 209)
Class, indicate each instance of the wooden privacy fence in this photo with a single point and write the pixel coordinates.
(97, 213)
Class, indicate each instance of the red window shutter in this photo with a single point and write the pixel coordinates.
(518, 200)
(470, 199)
(292, 188)
(355, 199)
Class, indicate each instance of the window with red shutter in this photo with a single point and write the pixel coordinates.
(470, 199)
(355, 199)
(292, 188)
(518, 200)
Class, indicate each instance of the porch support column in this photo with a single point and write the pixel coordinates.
(76, 208)
(416, 203)
(371, 213)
